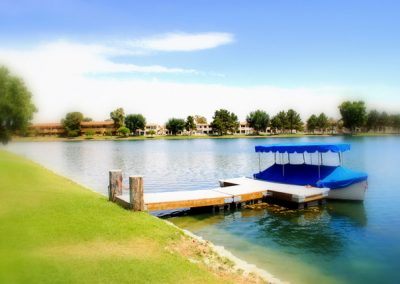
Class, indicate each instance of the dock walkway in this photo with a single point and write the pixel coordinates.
(234, 191)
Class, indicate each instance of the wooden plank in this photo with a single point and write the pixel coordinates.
(123, 202)
(172, 196)
(184, 204)
(313, 198)
(251, 196)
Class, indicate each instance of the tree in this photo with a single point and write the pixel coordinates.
(151, 132)
(258, 120)
(135, 122)
(16, 107)
(332, 124)
(396, 122)
(87, 119)
(200, 119)
(312, 123)
(174, 125)
(118, 116)
(123, 131)
(72, 123)
(322, 122)
(372, 120)
(190, 125)
(353, 114)
(294, 121)
(383, 121)
(279, 121)
(224, 122)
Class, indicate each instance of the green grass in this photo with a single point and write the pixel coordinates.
(54, 231)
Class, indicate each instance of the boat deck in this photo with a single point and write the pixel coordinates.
(233, 191)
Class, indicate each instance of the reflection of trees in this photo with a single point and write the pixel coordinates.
(320, 230)
(306, 229)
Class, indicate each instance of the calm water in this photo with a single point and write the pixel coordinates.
(339, 243)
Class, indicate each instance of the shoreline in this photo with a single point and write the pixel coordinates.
(19, 139)
(239, 264)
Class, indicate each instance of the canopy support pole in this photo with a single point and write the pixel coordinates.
(288, 157)
(304, 158)
(283, 165)
(319, 166)
(259, 163)
(275, 157)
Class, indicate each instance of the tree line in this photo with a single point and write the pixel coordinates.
(354, 117)
(17, 109)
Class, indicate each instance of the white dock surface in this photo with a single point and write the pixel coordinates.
(242, 189)
(258, 185)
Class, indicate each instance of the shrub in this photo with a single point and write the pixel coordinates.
(108, 133)
(90, 133)
(123, 131)
(151, 132)
(72, 133)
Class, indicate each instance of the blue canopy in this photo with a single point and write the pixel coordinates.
(303, 147)
(323, 176)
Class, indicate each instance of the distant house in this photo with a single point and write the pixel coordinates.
(244, 128)
(97, 127)
(46, 129)
(57, 129)
(203, 128)
(158, 129)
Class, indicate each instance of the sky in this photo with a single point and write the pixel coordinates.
(177, 58)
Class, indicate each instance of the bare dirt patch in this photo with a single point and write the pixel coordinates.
(201, 253)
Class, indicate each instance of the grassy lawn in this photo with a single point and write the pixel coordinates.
(54, 231)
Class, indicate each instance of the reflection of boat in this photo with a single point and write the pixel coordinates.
(343, 183)
(354, 212)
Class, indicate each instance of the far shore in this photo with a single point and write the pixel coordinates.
(183, 137)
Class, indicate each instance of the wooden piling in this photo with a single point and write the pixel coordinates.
(136, 193)
(115, 184)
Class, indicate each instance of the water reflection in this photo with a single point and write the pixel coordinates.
(305, 230)
(310, 229)
(353, 212)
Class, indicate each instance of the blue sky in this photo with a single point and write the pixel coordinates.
(349, 45)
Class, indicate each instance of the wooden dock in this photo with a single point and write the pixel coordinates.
(233, 192)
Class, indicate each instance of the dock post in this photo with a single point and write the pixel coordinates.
(115, 184)
(136, 193)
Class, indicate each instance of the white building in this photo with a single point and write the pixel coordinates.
(153, 127)
(203, 128)
(244, 128)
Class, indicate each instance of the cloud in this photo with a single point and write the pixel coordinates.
(57, 72)
(79, 59)
(183, 41)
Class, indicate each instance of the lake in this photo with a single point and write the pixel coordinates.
(342, 242)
